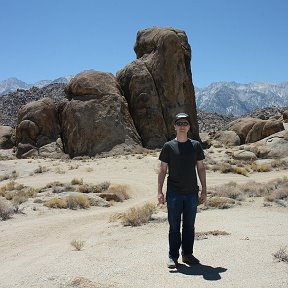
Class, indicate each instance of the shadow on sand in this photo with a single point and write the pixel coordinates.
(208, 272)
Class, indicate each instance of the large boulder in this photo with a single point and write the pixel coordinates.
(38, 125)
(253, 129)
(96, 122)
(158, 85)
(274, 146)
(228, 138)
(285, 116)
(7, 137)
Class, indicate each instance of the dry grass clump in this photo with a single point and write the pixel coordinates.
(85, 188)
(121, 191)
(10, 186)
(54, 184)
(77, 244)
(4, 177)
(204, 235)
(279, 196)
(229, 190)
(56, 203)
(279, 164)
(59, 170)
(77, 201)
(6, 209)
(17, 193)
(263, 167)
(72, 202)
(103, 186)
(220, 202)
(228, 168)
(41, 169)
(273, 191)
(77, 181)
(138, 216)
(281, 255)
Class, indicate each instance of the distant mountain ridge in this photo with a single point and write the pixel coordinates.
(238, 99)
(12, 84)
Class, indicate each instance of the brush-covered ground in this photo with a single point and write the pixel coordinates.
(81, 223)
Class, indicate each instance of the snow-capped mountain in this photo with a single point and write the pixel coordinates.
(12, 84)
(238, 99)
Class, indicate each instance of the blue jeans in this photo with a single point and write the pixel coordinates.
(184, 205)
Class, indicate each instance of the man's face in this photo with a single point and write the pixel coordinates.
(182, 126)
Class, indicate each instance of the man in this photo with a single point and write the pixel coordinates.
(180, 156)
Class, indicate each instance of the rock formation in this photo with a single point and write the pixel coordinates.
(252, 129)
(158, 85)
(7, 137)
(38, 125)
(96, 117)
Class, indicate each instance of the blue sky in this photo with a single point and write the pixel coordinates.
(231, 40)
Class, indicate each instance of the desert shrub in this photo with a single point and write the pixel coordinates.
(77, 201)
(253, 189)
(85, 188)
(54, 184)
(204, 235)
(4, 177)
(77, 244)
(56, 203)
(229, 168)
(138, 216)
(220, 202)
(72, 167)
(77, 181)
(41, 169)
(14, 174)
(281, 255)
(229, 190)
(280, 164)
(103, 186)
(6, 210)
(59, 170)
(10, 186)
(264, 167)
(120, 191)
(240, 170)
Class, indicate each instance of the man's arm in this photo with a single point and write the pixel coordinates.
(202, 176)
(161, 178)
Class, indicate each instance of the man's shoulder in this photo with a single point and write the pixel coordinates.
(170, 143)
(195, 142)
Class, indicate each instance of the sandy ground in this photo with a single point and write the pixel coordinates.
(35, 246)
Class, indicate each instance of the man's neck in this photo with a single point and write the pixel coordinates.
(181, 137)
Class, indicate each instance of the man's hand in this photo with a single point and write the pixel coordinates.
(203, 196)
(161, 198)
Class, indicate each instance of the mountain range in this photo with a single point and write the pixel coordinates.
(12, 84)
(238, 99)
(226, 98)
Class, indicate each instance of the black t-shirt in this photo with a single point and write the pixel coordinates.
(181, 158)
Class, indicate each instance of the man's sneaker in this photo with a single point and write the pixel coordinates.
(190, 259)
(171, 263)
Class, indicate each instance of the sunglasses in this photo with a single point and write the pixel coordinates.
(180, 123)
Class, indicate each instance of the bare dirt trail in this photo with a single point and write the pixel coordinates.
(36, 252)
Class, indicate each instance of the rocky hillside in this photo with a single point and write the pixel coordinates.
(11, 102)
(238, 99)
